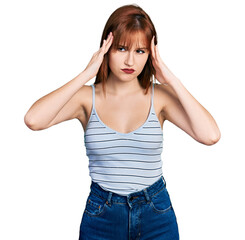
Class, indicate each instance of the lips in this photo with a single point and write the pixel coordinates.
(128, 70)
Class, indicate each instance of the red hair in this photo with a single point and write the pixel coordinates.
(124, 22)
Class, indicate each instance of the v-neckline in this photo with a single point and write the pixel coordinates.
(129, 133)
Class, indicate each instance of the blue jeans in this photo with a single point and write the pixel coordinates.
(145, 215)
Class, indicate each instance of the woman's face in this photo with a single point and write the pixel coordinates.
(125, 58)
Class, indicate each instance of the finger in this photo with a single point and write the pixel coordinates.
(102, 49)
(153, 47)
(157, 52)
(104, 44)
(108, 37)
(109, 43)
(105, 40)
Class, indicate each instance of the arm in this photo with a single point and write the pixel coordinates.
(183, 109)
(43, 112)
(65, 102)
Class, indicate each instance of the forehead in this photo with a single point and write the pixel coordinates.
(137, 39)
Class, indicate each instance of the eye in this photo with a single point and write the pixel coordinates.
(121, 49)
(142, 51)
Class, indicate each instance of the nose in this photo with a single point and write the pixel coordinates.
(129, 60)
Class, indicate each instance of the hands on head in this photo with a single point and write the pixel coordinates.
(97, 59)
(161, 69)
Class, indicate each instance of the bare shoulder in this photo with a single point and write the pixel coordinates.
(164, 95)
(164, 90)
(86, 93)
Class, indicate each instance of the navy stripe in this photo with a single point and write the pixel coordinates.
(108, 140)
(119, 147)
(100, 154)
(132, 160)
(115, 157)
(140, 176)
(125, 167)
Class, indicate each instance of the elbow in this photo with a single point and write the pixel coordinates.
(217, 136)
(211, 140)
(30, 124)
(214, 139)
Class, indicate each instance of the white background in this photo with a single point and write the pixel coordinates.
(44, 174)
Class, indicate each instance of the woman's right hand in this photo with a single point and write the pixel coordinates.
(97, 59)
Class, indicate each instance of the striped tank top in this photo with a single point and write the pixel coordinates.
(124, 162)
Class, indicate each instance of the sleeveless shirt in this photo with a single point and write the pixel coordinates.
(124, 162)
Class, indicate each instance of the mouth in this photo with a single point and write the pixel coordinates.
(128, 70)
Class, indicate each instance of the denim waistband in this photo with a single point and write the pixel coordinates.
(134, 197)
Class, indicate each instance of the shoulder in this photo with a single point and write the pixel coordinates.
(164, 96)
(86, 90)
(85, 95)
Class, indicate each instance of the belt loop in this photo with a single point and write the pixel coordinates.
(108, 202)
(164, 181)
(146, 195)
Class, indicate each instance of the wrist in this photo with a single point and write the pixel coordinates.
(175, 84)
(82, 77)
(85, 75)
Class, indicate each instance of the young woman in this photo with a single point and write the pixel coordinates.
(122, 114)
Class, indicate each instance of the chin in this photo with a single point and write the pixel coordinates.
(121, 76)
(128, 78)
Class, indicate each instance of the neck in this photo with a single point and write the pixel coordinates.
(118, 87)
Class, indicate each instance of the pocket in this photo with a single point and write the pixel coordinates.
(95, 205)
(161, 203)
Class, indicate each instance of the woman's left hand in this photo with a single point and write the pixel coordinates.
(163, 74)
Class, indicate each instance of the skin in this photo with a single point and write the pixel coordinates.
(123, 90)
(172, 101)
(118, 81)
